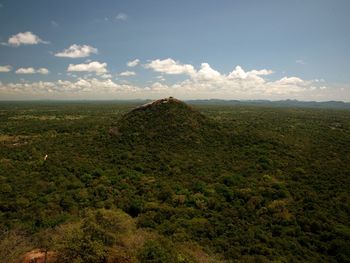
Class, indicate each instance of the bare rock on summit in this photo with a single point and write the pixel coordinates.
(156, 103)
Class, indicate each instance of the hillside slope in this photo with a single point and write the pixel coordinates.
(163, 121)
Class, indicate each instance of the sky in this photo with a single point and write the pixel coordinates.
(224, 49)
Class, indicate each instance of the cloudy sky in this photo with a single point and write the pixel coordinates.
(228, 49)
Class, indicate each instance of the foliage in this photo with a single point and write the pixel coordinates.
(240, 184)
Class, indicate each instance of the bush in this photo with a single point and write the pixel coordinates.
(154, 252)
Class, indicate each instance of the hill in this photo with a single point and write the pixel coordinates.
(278, 103)
(165, 121)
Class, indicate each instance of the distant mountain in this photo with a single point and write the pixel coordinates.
(279, 103)
(267, 103)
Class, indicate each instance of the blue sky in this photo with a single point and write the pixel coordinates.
(272, 49)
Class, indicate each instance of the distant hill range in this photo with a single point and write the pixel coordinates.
(279, 103)
(266, 103)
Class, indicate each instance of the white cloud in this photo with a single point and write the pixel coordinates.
(248, 78)
(160, 78)
(127, 73)
(207, 73)
(204, 82)
(239, 73)
(25, 71)
(25, 38)
(54, 23)
(94, 66)
(133, 63)
(300, 61)
(208, 82)
(170, 66)
(77, 51)
(43, 71)
(106, 76)
(261, 72)
(91, 88)
(31, 70)
(290, 81)
(122, 16)
(6, 68)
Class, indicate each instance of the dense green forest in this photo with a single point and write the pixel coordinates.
(103, 182)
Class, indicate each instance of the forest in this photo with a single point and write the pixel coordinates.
(105, 182)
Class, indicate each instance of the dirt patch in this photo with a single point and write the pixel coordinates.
(38, 256)
(7, 138)
(114, 132)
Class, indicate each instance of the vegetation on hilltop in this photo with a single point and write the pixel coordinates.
(163, 121)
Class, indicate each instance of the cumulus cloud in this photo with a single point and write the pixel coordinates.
(31, 70)
(208, 82)
(94, 66)
(106, 76)
(6, 68)
(127, 74)
(203, 82)
(43, 71)
(25, 71)
(122, 16)
(133, 63)
(92, 88)
(77, 51)
(207, 73)
(239, 73)
(170, 66)
(290, 81)
(25, 38)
